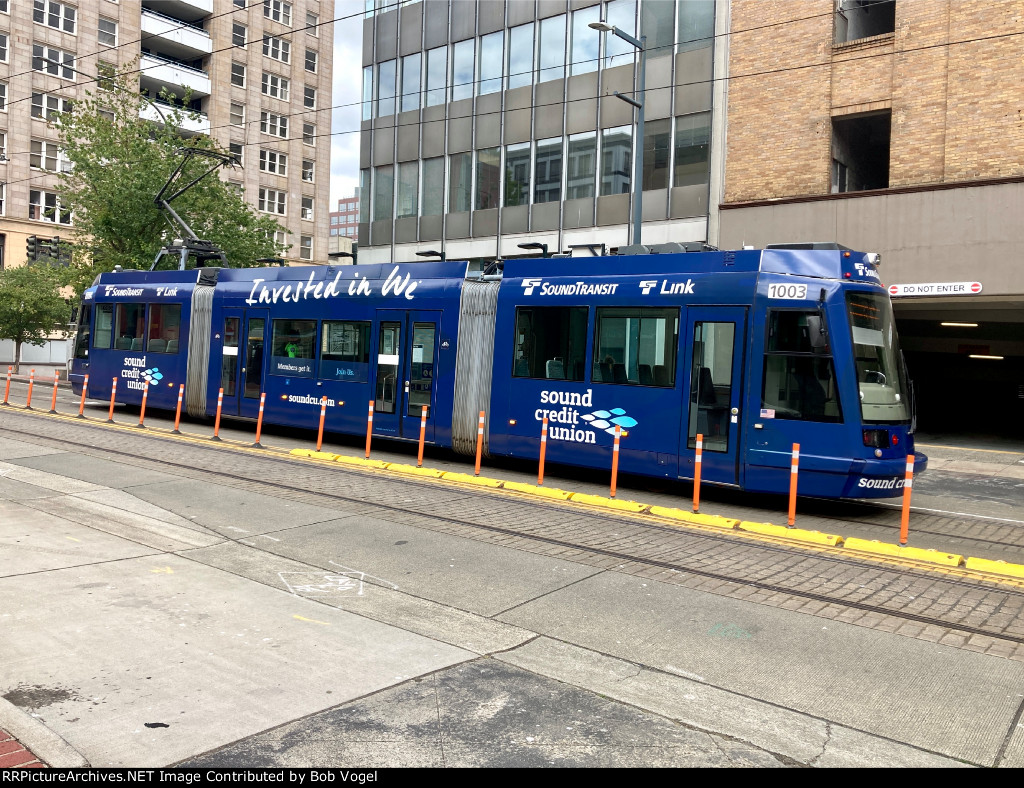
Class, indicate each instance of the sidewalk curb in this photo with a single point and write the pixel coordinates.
(33, 735)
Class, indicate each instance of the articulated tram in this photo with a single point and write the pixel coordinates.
(755, 349)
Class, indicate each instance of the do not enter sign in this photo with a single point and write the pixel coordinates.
(935, 289)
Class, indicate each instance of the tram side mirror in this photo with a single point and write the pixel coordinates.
(816, 333)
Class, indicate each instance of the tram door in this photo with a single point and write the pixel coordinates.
(242, 363)
(715, 343)
(404, 381)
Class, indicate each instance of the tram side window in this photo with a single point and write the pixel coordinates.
(164, 327)
(799, 374)
(293, 348)
(104, 326)
(82, 339)
(345, 351)
(550, 342)
(636, 346)
(129, 324)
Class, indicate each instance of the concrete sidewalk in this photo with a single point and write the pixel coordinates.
(25, 743)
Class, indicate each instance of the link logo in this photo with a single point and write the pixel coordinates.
(647, 285)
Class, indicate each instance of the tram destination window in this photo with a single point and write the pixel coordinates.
(550, 342)
(799, 374)
(636, 346)
(345, 351)
(164, 327)
(104, 326)
(293, 348)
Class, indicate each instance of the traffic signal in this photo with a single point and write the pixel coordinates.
(32, 248)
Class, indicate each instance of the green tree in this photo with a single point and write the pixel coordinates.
(31, 307)
(120, 161)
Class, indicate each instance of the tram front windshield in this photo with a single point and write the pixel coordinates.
(880, 374)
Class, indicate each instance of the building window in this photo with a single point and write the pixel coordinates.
(46, 107)
(239, 35)
(367, 92)
(616, 160)
(517, 174)
(488, 178)
(307, 170)
(3, 96)
(47, 156)
(492, 61)
(276, 125)
(309, 97)
(236, 150)
(311, 56)
(3, 143)
(692, 165)
(620, 14)
(411, 82)
(305, 247)
(364, 195)
(383, 193)
(238, 75)
(105, 75)
(408, 189)
(856, 19)
(306, 210)
(460, 182)
(860, 152)
(277, 48)
(656, 24)
(386, 88)
(584, 48)
(53, 61)
(695, 28)
(273, 162)
(312, 24)
(462, 69)
(547, 179)
(5, 8)
(552, 48)
(239, 3)
(274, 86)
(271, 201)
(657, 149)
(59, 16)
(437, 76)
(46, 207)
(520, 56)
(237, 117)
(309, 133)
(581, 165)
(278, 10)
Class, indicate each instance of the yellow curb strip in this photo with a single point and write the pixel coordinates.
(797, 534)
(533, 489)
(415, 470)
(466, 478)
(713, 520)
(898, 551)
(608, 503)
(995, 567)
(379, 464)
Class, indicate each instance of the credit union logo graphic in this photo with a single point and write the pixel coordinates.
(152, 376)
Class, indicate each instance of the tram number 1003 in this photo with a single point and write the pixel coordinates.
(787, 291)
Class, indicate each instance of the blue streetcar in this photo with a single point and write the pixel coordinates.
(754, 349)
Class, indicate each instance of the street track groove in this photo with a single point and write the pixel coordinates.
(941, 605)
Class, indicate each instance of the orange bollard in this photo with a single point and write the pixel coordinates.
(908, 483)
(53, 401)
(369, 429)
(81, 405)
(479, 442)
(142, 410)
(216, 422)
(7, 388)
(423, 436)
(543, 450)
(793, 470)
(31, 382)
(615, 459)
(696, 472)
(177, 414)
(259, 421)
(113, 392)
(323, 415)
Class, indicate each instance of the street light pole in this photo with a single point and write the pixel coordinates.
(638, 104)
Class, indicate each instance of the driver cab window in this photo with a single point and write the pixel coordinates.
(799, 376)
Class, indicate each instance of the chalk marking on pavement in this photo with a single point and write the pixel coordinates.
(162, 570)
(72, 539)
(311, 620)
(364, 575)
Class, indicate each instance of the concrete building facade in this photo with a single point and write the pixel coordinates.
(260, 73)
(893, 127)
